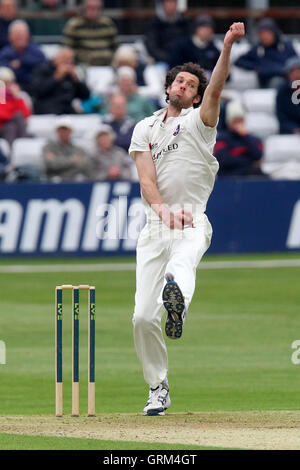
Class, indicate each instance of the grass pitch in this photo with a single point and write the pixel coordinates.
(26, 442)
(235, 353)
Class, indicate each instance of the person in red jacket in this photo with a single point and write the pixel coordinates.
(238, 152)
(14, 109)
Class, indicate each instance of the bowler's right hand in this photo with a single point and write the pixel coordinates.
(180, 220)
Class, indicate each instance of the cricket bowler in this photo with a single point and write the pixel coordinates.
(172, 150)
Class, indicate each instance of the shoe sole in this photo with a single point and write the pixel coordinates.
(155, 413)
(173, 301)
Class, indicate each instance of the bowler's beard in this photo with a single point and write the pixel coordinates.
(178, 102)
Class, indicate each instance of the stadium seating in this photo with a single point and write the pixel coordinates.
(282, 157)
(241, 79)
(84, 124)
(260, 100)
(238, 48)
(228, 94)
(261, 124)
(4, 146)
(154, 78)
(282, 148)
(50, 50)
(44, 125)
(26, 151)
(41, 125)
(98, 78)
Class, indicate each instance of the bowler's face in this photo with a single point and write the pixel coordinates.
(183, 92)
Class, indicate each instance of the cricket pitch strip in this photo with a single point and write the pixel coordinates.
(231, 429)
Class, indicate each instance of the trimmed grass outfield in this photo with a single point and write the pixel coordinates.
(235, 353)
(23, 442)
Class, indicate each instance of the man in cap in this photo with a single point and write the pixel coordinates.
(288, 99)
(109, 162)
(164, 30)
(199, 47)
(238, 152)
(269, 55)
(63, 160)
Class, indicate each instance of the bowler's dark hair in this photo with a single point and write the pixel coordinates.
(192, 68)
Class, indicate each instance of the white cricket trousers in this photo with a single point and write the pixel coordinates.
(159, 251)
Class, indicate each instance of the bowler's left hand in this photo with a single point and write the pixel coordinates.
(236, 31)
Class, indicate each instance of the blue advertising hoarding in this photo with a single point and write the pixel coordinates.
(255, 216)
(74, 219)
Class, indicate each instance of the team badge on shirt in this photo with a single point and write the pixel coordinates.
(177, 130)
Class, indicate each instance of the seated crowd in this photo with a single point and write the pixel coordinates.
(129, 87)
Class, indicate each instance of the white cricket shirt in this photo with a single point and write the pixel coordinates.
(182, 153)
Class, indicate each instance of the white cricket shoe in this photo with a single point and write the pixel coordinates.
(158, 401)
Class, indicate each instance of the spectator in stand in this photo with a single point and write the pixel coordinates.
(138, 106)
(147, 77)
(269, 55)
(109, 162)
(120, 122)
(21, 55)
(238, 152)
(56, 84)
(288, 97)
(8, 13)
(199, 48)
(164, 30)
(63, 160)
(127, 56)
(93, 37)
(15, 110)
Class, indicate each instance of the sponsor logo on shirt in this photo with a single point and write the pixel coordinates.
(159, 155)
(177, 130)
(153, 146)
